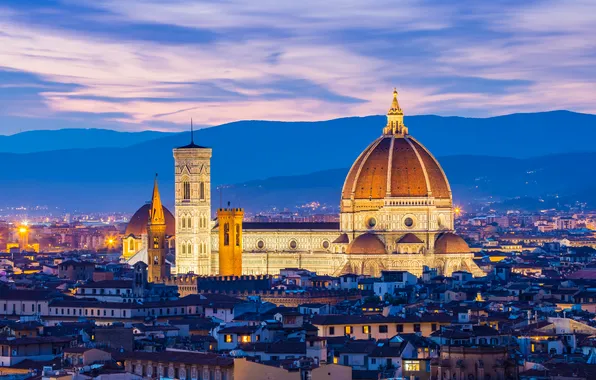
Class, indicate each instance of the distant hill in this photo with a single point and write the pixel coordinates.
(243, 152)
(41, 141)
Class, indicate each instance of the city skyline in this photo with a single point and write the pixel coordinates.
(144, 65)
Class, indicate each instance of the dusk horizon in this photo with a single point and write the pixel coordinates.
(143, 65)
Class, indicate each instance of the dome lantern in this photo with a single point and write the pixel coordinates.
(395, 119)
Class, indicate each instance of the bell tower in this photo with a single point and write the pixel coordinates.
(192, 175)
(156, 238)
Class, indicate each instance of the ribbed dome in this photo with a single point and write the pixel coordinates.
(395, 166)
(449, 242)
(367, 244)
(138, 223)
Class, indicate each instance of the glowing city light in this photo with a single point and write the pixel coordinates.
(23, 230)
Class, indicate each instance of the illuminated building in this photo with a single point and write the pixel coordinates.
(396, 213)
(230, 241)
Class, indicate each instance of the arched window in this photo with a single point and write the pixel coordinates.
(132, 245)
(189, 222)
(183, 222)
(202, 190)
(186, 190)
(155, 242)
(189, 248)
(183, 248)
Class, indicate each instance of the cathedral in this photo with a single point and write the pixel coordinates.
(396, 213)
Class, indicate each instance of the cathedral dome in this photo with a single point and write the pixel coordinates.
(367, 244)
(449, 242)
(395, 165)
(138, 223)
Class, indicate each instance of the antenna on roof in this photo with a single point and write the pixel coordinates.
(192, 132)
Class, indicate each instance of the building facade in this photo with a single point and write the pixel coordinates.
(192, 165)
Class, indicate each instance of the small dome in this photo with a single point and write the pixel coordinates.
(138, 223)
(409, 238)
(367, 244)
(451, 243)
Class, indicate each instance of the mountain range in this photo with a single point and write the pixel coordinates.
(282, 164)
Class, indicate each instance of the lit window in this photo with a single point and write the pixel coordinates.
(411, 365)
(228, 339)
(348, 330)
(335, 359)
(245, 338)
(366, 329)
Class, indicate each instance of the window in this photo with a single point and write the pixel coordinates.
(202, 190)
(331, 330)
(226, 234)
(411, 365)
(237, 235)
(228, 338)
(373, 361)
(245, 338)
(156, 242)
(383, 328)
(186, 190)
(366, 329)
(348, 330)
(416, 327)
(131, 245)
(32, 307)
(433, 326)
(400, 328)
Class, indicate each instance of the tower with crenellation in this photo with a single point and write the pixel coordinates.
(192, 165)
(230, 241)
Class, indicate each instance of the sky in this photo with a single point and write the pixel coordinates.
(146, 64)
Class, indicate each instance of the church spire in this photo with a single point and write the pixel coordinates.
(156, 215)
(395, 119)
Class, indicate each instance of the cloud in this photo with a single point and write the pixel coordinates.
(158, 63)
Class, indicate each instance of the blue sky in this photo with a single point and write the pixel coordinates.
(140, 64)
